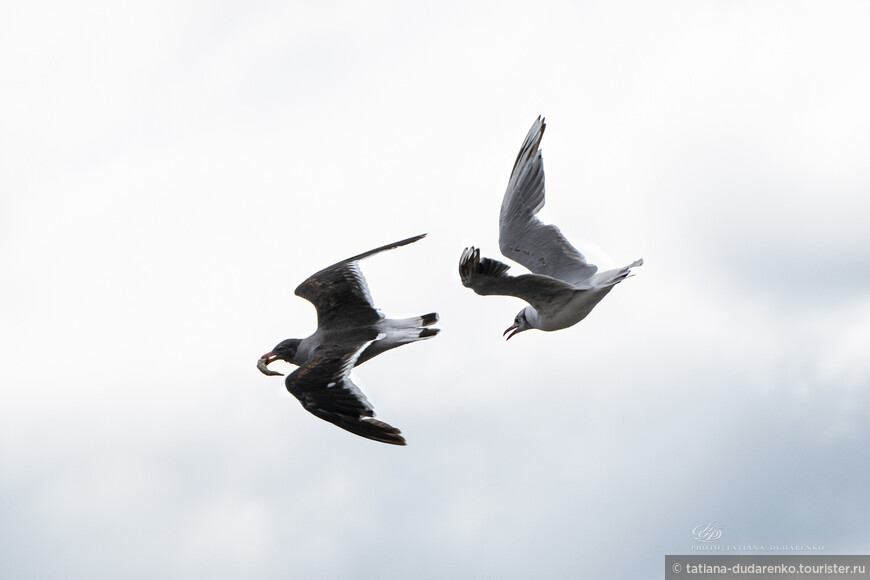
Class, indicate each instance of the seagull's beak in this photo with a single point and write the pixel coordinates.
(513, 327)
(264, 361)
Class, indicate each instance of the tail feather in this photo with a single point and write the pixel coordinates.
(399, 332)
(429, 332)
(428, 319)
(613, 277)
(408, 330)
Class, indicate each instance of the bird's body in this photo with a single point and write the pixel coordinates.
(350, 331)
(563, 287)
(391, 334)
(566, 310)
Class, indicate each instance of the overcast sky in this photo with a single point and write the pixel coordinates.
(170, 171)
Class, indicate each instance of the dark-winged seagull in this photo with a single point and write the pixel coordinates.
(563, 288)
(350, 331)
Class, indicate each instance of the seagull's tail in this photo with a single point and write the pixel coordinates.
(407, 330)
(613, 277)
(400, 331)
(412, 329)
(428, 319)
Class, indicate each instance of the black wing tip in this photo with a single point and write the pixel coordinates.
(392, 440)
(468, 265)
(365, 426)
(541, 125)
(383, 248)
(404, 242)
(531, 145)
(304, 290)
(472, 265)
(379, 431)
(536, 135)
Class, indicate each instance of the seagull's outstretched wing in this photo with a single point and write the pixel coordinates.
(324, 388)
(340, 291)
(522, 236)
(486, 276)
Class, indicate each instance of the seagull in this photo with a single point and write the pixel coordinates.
(563, 287)
(350, 331)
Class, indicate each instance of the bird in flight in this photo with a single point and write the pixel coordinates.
(563, 287)
(350, 331)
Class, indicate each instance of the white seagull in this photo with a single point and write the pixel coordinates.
(563, 288)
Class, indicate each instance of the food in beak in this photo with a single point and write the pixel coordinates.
(264, 361)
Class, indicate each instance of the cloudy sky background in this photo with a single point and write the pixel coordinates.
(170, 171)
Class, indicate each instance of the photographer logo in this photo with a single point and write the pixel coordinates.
(707, 533)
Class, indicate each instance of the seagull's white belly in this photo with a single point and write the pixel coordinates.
(571, 311)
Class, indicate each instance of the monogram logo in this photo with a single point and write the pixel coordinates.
(707, 532)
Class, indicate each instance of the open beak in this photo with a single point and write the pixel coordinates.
(262, 364)
(515, 329)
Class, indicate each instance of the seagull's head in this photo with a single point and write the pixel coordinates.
(284, 350)
(521, 323)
